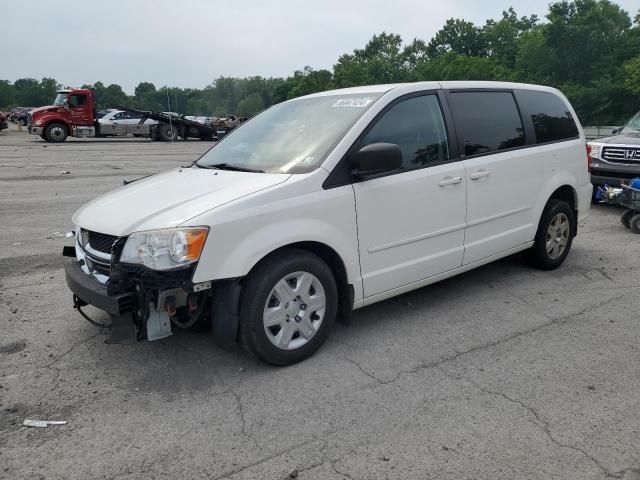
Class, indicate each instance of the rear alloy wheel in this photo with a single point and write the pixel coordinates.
(56, 132)
(288, 307)
(554, 236)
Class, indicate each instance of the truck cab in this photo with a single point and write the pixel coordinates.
(72, 114)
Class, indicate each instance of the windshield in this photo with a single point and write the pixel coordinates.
(60, 99)
(633, 126)
(291, 137)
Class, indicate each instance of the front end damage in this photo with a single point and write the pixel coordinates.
(142, 303)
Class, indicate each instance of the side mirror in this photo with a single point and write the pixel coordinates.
(376, 159)
(616, 130)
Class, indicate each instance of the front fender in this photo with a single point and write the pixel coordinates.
(248, 231)
(45, 120)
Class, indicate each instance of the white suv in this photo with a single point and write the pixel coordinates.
(329, 202)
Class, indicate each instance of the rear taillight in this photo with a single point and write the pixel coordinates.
(589, 159)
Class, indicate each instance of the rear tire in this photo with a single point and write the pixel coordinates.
(56, 132)
(625, 218)
(288, 306)
(554, 236)
(167, 133)
(634, 223)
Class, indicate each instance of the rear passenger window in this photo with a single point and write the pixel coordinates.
(417, 127)
(551, 118)
(487, 121)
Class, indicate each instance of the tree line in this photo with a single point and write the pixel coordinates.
(590, 49)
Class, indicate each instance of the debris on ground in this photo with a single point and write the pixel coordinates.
(43, 423)
(65, 172)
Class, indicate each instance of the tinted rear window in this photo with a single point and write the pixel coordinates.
(487, 121)
(551, 118)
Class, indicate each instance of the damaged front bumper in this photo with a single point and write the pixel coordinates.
(141, 302)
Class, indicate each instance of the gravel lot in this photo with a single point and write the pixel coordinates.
(501, 373)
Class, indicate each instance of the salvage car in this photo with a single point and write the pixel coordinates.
(118, 122)
(330, 202)
(616, 159)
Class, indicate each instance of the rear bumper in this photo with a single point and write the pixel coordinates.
(585, 193)
(94, 293)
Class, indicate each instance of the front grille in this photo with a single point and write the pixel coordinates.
(621, 154)
(100, 241)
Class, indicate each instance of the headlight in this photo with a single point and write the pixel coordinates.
(165, 249)
(595, 150)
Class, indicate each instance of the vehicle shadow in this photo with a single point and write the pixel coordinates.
(190, 360)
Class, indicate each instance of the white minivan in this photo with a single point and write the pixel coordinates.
(330, 202)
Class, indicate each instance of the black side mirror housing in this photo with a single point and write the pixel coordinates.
(615, 131)
(376, 159)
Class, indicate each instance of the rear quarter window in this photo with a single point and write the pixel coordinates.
(551, 118)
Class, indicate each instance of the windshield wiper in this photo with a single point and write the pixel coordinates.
(233, 168)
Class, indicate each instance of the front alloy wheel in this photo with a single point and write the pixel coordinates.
(294, 310)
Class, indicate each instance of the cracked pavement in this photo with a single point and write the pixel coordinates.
(503, 372)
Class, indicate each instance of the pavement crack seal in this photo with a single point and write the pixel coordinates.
(339, 472)
(363, 370)
(540, 422)
(495, 343)
(245, 431)
(67, 352)
(263, 460)
(57, 372)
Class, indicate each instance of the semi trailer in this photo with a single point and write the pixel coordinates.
(73, 114)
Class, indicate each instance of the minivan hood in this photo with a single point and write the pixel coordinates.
(169, 199)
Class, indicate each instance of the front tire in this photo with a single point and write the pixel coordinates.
(288, 306)
(554, 236)
(56, 132)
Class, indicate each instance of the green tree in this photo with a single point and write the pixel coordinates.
(584, 39)
(501, 37)
(632, 75)
(452, 66)
(382, 60)
(458, 36)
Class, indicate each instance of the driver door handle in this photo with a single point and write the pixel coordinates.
(450, 181)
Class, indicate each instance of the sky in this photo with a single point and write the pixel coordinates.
(189, 43)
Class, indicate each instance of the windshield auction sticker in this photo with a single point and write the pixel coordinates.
(359, 102)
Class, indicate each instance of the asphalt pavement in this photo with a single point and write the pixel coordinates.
(504, 372)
